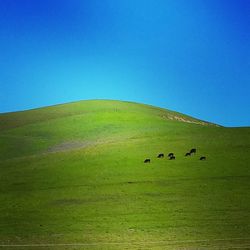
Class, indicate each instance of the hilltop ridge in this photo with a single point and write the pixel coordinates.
(12, 119)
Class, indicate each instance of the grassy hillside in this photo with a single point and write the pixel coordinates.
(74, 173)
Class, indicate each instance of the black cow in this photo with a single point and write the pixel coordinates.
(188, 154)
(203, 158)
(147, 161)
(170, 154)
(193, 151)
(160, 155)
(172, 157)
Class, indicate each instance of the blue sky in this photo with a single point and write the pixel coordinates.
(189, 56)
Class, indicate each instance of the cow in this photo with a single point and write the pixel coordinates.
(147, 161)
(160, 155)
(188, 154)
(193, 151)
(172, 157)
(203, 158)
(170, 154)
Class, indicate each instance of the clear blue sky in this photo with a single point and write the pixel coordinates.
(190, 56)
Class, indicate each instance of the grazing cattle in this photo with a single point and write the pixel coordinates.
(170, 154)
(187, 154)
(203, 158)
(172, 157)
(193, 151)
(160, 155)
(147, 161)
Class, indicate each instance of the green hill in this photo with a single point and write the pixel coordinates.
(74, 173)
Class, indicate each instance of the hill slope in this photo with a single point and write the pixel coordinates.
(75, 173)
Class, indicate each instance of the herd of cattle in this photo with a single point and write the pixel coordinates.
(171, 156)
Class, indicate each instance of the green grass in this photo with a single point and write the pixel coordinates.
(75, 173)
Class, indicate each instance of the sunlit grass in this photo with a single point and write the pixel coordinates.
(101, 191)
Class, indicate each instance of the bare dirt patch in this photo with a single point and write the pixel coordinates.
(182, 119)
(70, 145)
(79, 144)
